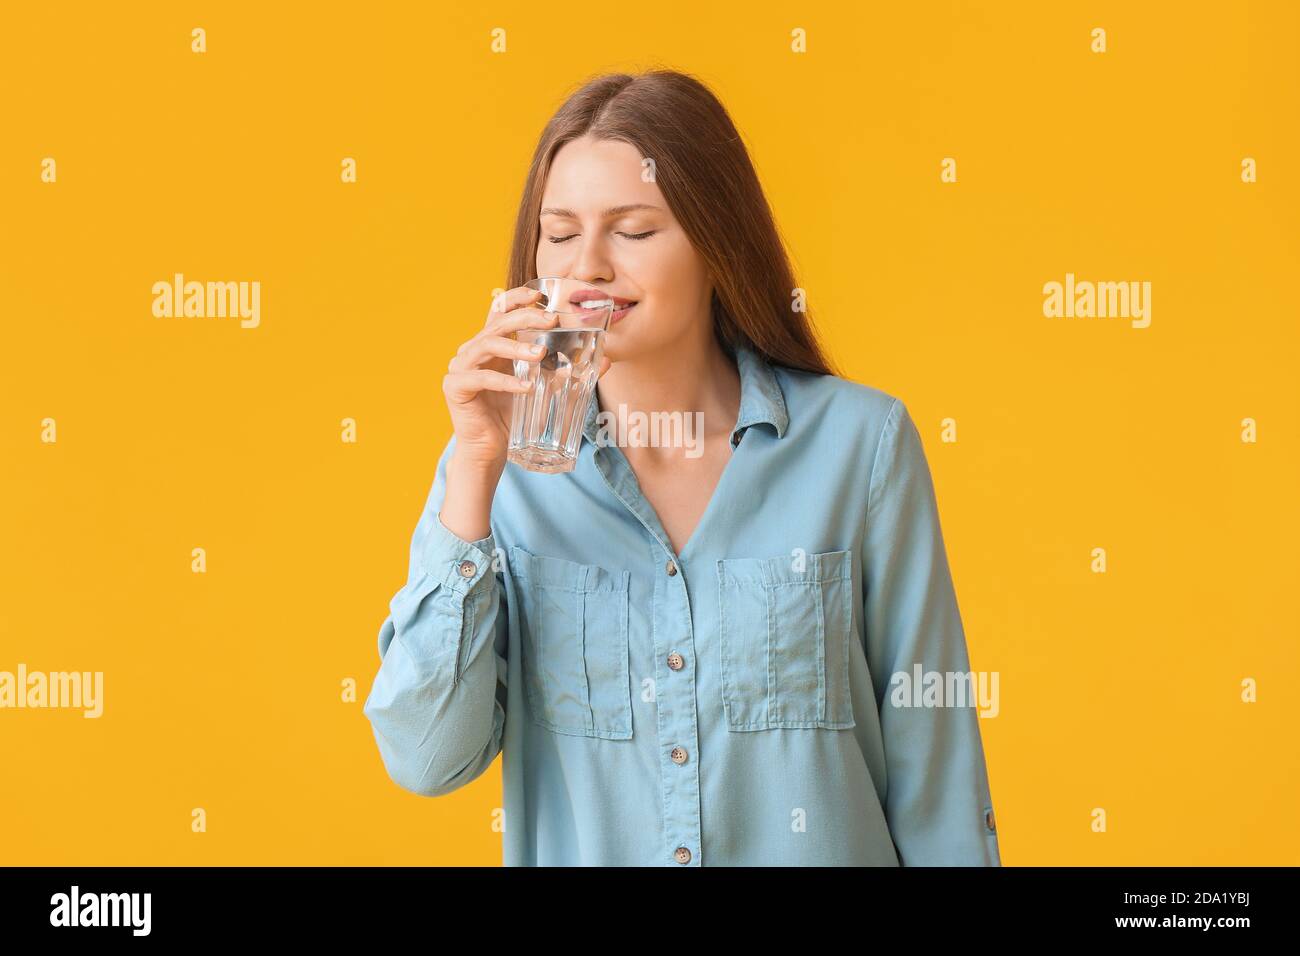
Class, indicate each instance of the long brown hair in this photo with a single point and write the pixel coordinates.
(705, 174)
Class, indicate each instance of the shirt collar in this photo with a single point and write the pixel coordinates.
(761, 398)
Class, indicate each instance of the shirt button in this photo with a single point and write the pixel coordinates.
(467, 569)
(678, 754)
(671, 569)
(988, 820)
(682, 855)
(675, 661)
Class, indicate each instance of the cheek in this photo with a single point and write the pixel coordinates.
(671, 274)
(546, 258)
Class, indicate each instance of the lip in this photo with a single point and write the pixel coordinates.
(621, 305)
(586, 295)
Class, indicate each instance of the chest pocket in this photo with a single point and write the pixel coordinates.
(573, 623)
(785, 633)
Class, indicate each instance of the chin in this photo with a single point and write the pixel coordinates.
(627, 345)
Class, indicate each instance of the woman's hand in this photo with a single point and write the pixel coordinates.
(480, 383)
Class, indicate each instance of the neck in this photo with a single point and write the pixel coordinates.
(686, 377)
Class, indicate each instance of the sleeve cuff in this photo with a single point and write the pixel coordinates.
(454, 562)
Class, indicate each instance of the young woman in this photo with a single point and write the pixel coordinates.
(695, 656)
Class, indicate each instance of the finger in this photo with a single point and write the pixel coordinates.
(511, 299)
(521, 317)
(462, 387)
(479, 349)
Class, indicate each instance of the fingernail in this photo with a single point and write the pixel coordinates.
(537, 348)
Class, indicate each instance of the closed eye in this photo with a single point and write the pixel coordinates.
(626, 235)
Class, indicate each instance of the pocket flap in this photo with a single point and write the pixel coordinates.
(548, 572)
(787, 569)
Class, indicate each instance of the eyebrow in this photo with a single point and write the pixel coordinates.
(611, 211)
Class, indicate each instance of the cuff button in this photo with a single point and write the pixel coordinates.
(467, 569)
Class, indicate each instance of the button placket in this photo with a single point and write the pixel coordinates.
(678, 717)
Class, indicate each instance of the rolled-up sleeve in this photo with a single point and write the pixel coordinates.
(438, 703)
(938, 804)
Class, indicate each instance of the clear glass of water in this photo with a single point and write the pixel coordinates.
(546, 421)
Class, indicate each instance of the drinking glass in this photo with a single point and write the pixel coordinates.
(546, 421)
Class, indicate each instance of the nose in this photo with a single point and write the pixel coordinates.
(592, 264)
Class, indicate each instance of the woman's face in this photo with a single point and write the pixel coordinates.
(601, 222)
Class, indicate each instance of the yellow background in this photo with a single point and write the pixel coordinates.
(222, 690)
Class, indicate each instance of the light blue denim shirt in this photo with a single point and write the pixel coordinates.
(736, 704)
